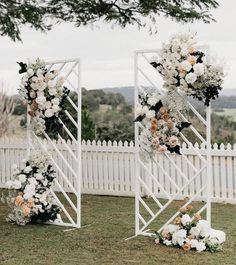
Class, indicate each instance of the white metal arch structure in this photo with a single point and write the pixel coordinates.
(69, 203)
(147, 214)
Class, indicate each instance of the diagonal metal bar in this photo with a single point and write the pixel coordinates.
(60, 154)
(151, 175)
(141, 218)
(173, 198)
(67, 147)
(166, 174)
(72, 103)
(57, 167)
(146, 206)
(150, 192)
(71, 118)
(189, 162)
(67, 130)
(187, 203)
(176, 167)
(62, 207)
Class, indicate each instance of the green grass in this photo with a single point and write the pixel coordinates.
(106, 221)
(231, 113)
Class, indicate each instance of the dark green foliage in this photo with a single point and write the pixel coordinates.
(42, 15)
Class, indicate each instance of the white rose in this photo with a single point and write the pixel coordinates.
(27, 169)
(56, 108)
(194, 231)
(60, 81)
(56, 101)
(152, 101)
(39, 72)
(22, 178)
(190, 78)
(30, 72)
(198, 69)
(41, 100)
(38, 176)
(33, 181)
(49, 113)
(138, 110)
(150, 114)
(29, 192)
(186, 66)
(200, 246)
(47, 105)
(16, 184)
(193, 243)
(184, 51)
(204, 228)
(172, 228)
(179, 237)
(145, 109)
(220, 235)
(52, 91)
(186, 219)
(167, 242)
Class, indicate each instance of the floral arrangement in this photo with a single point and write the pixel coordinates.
(191, 233)
(184, 67)
(45, 95)
(29, 194)
(159, 118)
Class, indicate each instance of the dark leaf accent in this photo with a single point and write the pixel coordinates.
(23, 67)
(139, 118)
(157, 106)
(175, 149)
(182, 125)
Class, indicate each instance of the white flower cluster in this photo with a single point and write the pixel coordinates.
(185, 67)
(43, 91)
(33, 179)
(159, 132)
(189, 234)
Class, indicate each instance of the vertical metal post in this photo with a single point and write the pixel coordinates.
(79, 164)
(136, 133)
(209, 164)
(28, 135)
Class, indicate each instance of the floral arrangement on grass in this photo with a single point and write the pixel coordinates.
(184, 67)
(191, 233)
(29, 194)
(159, 118)
(45, 94)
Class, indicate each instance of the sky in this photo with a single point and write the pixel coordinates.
(107, 53)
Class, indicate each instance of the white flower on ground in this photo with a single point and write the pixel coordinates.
(167, 242)
(193, 243)
(200, 246)
(194, 231)
(220, 235)
(191, 78)
(204, 228)
(186, 219)
(179, 237)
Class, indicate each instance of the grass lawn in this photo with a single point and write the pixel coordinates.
(106, 221)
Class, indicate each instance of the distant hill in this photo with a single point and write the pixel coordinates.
(127, 92)
(227, 97)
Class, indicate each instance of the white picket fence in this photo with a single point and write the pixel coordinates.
(108, 168)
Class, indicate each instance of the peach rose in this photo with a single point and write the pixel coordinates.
(31, 113)
(190, 237)
(192, 50)
(189, 207)
(19, 200)
(25, 209)
(156, 141)
(153, 128)
(170, 124)
(183, 210)
(182, 73)
(162, 149)
(162, 110)
(197, 217)
(34, 105)
(30, 203)
(154, 121)
(157, 241)
(186, 247)
(165, 116)
(173, 141)
(192, 59)
(178, 221)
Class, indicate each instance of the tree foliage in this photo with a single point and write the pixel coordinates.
(43, 14)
